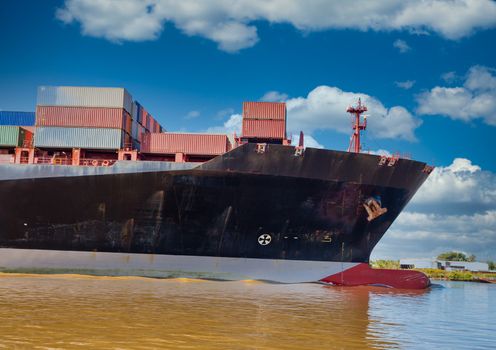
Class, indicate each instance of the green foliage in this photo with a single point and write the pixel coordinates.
(460, 276)
(435, 273)
(386, 264)
(455, 256)
(492, 265)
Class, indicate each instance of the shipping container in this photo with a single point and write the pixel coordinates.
(191, 144)
(141, 133)
(88, 138)
(14, 136)
(264, 128)
(142, 116)
(136, 145)
(148, 122)
(134, 129)
(31, 129)
(17, 118)
(74, 96)
(91, 117)
(138, 112)
(134, 112)
(264, 110)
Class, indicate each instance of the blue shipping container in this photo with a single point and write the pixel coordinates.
(17, 118)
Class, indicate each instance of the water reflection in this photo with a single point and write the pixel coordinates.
(70, 312)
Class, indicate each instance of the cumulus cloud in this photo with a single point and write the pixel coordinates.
(401, 45)
(381, 152)
(230, 126)
(274, 96)
(407, 85)
(308, 141)
(422, 235)
(115, 20)
(325, 108)
(449, 77)
(475, 99)
(231, 24)
(455, 209)
(192, 115)
(458, 188)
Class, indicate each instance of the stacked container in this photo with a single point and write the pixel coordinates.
(264, 121)
(185, 143)
(83, 117)
(17, 118)
(144, 124)
(14, 136)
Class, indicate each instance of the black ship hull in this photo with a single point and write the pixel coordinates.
(249, 203)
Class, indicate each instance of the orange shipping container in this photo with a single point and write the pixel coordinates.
(265, 129)
(264, 110)
(90, 117)
(193, 144)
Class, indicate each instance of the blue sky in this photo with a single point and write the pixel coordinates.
(192, 65)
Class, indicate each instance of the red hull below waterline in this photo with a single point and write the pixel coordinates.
(363, 274)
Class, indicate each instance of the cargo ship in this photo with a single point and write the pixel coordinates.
(91, 183)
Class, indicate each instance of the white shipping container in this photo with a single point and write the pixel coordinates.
(75, 96)
(89, 138)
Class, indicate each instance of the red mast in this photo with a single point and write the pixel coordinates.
(357, 126)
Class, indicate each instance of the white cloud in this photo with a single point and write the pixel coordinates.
(192, 115)
(449, 77)
(407, 85)
(475, 99)
(381, 152)
(455, 209)
(230, 126)
(325, 108)
(422, 235)
(308, 141)
(274, 96)
(401, 45)
(115, 20)
(481, 78)
(461, 186)
(231, 24)
(224, 112)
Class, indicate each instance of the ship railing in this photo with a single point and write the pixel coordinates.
(53, 161)
(97, 162)
(24, 160)
(6, 158)
(127, 146)
(68, 161)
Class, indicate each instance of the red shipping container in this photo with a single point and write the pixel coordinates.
(264, 110)
(264, 128)
(193, 144)
(90, 117)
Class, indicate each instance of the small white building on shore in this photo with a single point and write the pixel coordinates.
(473, 266)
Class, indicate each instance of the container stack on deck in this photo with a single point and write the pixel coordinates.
(94, 126)
(264, 122)
(143, 123)
(184, 147)
(82, 117)
(84, 124)
(16, 130)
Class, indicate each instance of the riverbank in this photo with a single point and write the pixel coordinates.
(466, 276)
(438, 274)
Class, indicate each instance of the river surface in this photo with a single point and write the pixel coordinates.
(77, 312)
